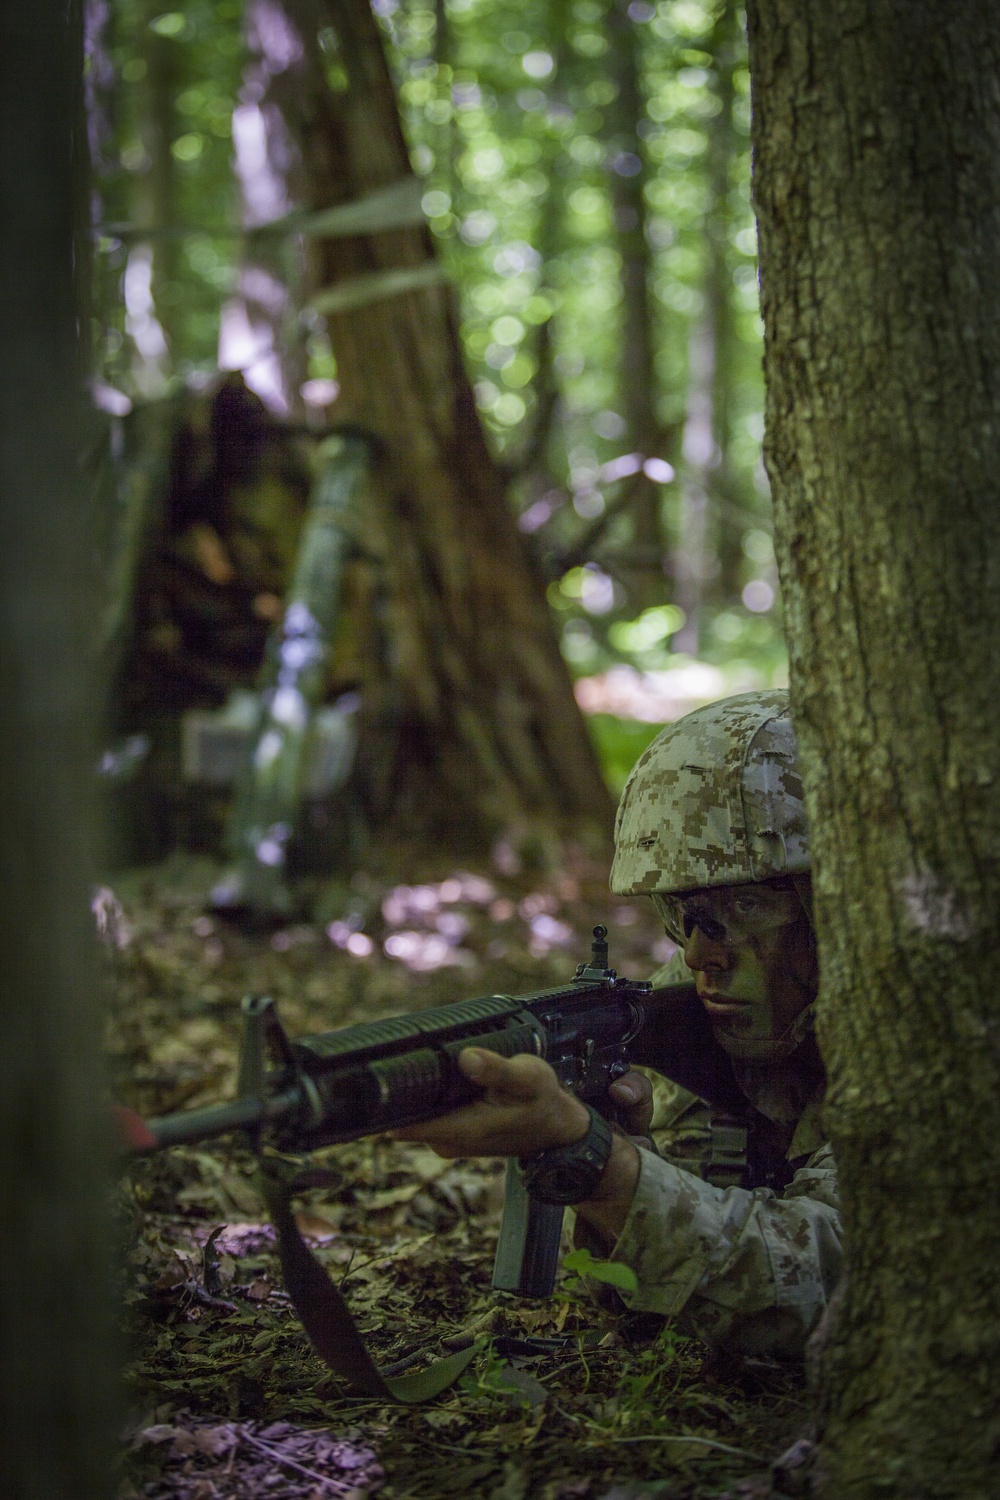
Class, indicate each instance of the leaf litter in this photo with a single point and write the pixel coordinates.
(227, 1399)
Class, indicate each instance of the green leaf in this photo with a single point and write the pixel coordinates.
(519, 1386)
(612, 1272)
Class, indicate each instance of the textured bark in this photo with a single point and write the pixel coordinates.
(877, 182)
(54, 1372)
(488, 732)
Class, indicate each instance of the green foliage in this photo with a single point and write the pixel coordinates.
(495, 1377)
(585, 1268)
(522, 129)
(619, 743)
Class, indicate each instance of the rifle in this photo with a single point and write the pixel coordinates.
(303, 1094)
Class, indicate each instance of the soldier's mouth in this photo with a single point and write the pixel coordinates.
(721, 1005)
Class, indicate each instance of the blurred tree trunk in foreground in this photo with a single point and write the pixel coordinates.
(54, 1369)
(877, 181)
(470, 721)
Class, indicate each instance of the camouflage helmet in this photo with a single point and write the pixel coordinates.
(716, 799)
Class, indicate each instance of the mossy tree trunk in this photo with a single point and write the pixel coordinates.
(487, 731)
(54, 1365)
(877, 183)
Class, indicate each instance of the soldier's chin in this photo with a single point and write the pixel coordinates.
(754, 1048)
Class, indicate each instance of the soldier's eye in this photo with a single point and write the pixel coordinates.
(713, 930)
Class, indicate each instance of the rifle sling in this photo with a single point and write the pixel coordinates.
(327, 1320)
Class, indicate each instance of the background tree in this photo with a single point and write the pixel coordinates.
(510, 115)
(877, 172)
(260, 331)
(468, 721)
(54, 1370)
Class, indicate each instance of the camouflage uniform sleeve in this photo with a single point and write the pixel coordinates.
(743, 1269)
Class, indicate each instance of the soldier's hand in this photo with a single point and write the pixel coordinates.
(633, 1096)
(524, 1109)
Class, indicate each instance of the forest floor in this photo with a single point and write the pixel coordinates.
(226, 1399)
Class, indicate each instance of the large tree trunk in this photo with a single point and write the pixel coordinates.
(877, 180)
(54, 1371)
(488, 733)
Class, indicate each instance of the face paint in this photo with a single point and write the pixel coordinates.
(753, 957)
(728, 914)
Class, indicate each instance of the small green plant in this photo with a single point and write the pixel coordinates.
(585, 1268)
(495, 1377)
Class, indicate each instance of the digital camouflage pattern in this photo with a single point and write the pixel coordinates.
(750, 1270)
(716, 799)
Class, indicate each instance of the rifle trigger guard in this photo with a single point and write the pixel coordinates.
(310, 1094)
(638, 1018)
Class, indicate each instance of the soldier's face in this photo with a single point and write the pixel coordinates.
(753, 961)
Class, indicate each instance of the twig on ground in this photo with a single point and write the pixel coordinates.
(291, 1463)
(684, 1437)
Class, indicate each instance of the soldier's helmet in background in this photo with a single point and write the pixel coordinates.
(716, 799)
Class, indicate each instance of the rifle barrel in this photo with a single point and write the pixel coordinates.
(220, 1119)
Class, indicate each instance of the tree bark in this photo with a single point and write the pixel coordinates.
(488, 733)
(54, 1366)
(877, 183)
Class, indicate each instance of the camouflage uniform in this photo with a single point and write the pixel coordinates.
(717, 800)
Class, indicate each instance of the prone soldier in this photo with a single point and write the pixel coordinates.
(712, 828)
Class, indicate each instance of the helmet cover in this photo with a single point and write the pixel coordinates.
(716, 799)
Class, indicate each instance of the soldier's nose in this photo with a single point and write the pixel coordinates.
(701, 952)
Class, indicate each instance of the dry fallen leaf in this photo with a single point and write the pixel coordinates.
(159, 1433)
(316, 1226)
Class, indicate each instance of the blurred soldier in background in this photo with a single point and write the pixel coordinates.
(214, 578)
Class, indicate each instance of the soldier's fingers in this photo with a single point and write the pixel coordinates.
(489, 1129)
(521, 1079)
(633, 1094)
(459, 1133)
